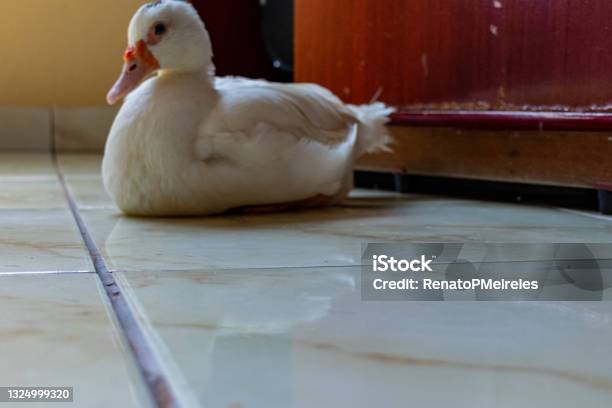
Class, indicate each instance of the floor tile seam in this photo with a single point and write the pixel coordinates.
(143, 352)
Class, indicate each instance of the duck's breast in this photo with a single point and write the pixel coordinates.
(150, 147)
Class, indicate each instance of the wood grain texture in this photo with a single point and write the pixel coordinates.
(470, 54)
(575, 159)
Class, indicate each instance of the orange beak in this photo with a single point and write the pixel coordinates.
(139, 64)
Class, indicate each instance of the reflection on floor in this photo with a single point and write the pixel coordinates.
(266, 310)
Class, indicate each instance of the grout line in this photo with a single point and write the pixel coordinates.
(28, 273)
(52, 134)
(587, 214)
(145, 357)
(335, 267)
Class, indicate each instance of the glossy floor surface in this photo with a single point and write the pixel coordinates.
(266, 310)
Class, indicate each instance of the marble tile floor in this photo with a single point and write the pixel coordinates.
(266, 310)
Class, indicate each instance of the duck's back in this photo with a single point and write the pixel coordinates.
(275, 143)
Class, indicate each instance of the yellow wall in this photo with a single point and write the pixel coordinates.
(61, 52)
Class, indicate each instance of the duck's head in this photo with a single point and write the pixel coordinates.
(167, 35)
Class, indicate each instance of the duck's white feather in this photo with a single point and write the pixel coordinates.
(303, 110)
(183, 144)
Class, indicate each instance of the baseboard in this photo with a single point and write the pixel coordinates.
(559, 158)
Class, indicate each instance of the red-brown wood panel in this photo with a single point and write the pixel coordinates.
(500, 54)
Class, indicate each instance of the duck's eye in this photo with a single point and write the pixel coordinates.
(160, 29)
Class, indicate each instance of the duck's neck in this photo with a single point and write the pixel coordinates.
(204, 76)
(181, 91)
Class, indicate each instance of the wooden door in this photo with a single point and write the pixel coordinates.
(510, 90)
(468, 54)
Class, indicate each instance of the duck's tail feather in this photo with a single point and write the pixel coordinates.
(372, 134)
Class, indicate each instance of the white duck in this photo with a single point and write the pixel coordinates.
(185, 143)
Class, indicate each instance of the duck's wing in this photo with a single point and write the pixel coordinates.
(302, 110)
(230, 82)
